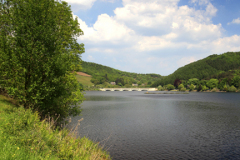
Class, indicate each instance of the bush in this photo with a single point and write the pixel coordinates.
(232, 89)
(204, 88)
(183, 89)
(212, 83)
(225, 88)
(215, 90)
(180, 87)
(160, 88)
(170, 87)
(191, 87)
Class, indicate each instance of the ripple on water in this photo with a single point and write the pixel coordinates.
(138, 126)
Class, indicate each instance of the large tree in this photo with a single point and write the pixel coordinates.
(39, 54)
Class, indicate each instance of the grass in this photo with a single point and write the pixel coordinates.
(24, 136)
(84, 80)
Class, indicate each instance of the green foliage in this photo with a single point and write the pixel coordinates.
(101, 74)
(180, 87)
(232, 89)
(204, 88)
(24, 136)
(212, 83)
(170, 87)
(214, 66)
(225, 88)
(222, 84)
(214, 90)
(236, 81)
(38, 54)
(183, 89)
(191, 87)
(193, 81)
(160, 88)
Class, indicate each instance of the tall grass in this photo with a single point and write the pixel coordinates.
(23, 136)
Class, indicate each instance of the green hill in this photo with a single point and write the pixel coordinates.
(103, 75)
(214, 66)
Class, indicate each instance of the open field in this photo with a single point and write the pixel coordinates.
(85, 80)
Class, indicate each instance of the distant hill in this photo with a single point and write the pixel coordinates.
(210, 67)
(103, 75)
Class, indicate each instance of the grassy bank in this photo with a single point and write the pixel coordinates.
(23, 136)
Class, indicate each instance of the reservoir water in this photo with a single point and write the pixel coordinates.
(134, 125)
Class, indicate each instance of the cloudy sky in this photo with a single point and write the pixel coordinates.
(156, 36)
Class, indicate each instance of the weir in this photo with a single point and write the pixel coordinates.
(128, 89)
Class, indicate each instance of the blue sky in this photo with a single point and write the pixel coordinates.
(156, 36)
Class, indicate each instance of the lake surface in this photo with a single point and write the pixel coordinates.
(134, 125)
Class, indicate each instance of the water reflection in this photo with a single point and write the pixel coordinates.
(132, 125)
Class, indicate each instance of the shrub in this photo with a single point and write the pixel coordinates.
(204, 88)
(215, 90)
(191, 87)
(232, 89)
(160, 88)
(183, 89)
(225, 88)
(180, 87)
(212, 83)
(170, 87)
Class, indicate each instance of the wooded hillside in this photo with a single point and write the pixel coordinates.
(103, 75)
(214, 66)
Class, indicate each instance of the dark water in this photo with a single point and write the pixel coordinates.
(134, 125)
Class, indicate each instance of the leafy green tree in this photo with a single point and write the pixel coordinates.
(191, 87)
(222, 83)
(193, 81)
(212, 83)
(39, 54)
(180, 87)
(160, 88)
(170, 87)
(236, 81)
(204, 88)
(202, 82)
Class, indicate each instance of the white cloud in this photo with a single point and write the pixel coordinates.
(185, 60)
(90, 58)
(80, 4)
(156, 36)
(106, 28)
(235, 21)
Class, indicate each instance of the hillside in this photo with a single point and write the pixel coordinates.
(214, 66)
(103, 75)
